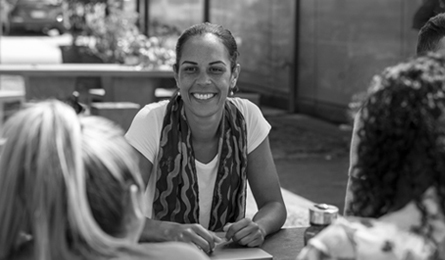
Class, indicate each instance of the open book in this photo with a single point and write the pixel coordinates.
(231, 251)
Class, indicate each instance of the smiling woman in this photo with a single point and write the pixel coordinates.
(199, 149)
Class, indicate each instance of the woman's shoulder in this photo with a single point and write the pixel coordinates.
(241, 102)
(245, 106)
(165, 251)
(176, 250)
(147, 120)
(154, 108)
(150, 114)
(370, 239)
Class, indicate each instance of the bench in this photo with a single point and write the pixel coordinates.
(121, 83)
(121, 113)
(10, 102)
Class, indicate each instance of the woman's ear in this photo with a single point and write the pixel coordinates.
(134, 216)
(136, 203)
(235, 74)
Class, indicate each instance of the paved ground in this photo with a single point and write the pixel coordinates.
(26, 49)
(311, 157)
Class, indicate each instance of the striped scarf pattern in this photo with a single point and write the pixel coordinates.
(176, 196)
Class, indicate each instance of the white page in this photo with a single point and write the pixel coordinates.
(232, 251)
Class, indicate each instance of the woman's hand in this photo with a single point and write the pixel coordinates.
(245, 232)
(193, 233)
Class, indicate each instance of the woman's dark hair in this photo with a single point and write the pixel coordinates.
(223, 34)
(401, 152)
(430, 34)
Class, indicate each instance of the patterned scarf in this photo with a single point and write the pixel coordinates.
(176, 198)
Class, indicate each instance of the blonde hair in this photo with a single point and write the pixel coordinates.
(106, 150)
(43, 182)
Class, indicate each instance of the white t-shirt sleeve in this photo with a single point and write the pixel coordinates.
(145, 130)
(257, 126)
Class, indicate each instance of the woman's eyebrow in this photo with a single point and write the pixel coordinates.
(195, 63)
(189, 62)
(217, 62)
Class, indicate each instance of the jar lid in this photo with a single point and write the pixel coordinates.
(322, 214)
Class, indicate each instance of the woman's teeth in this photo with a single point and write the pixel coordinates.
(203, 96)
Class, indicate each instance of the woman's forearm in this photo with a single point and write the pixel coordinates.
(271, 217)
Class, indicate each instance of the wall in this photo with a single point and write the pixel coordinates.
(265, 31)
(342, 44)
(176, 14)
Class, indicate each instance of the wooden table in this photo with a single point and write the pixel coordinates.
(285, 244)
(121, 83)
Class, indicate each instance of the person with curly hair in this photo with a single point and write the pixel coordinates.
(431, 38)
(399, 173)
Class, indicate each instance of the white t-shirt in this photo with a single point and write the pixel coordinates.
(145, 132)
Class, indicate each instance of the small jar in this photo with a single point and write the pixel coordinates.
(320, 216)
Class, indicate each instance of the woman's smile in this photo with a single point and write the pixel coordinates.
(203, 96)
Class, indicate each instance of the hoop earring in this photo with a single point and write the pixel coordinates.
(234, 90)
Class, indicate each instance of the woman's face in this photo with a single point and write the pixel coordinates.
(204, 76)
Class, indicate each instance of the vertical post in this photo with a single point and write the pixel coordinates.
(1, 18)
(295, 71)
(206, 11)
(147, 18)
(138, 11)
(1, 27)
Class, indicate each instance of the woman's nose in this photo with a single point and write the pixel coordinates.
(203, 79)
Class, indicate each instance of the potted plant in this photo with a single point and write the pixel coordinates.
(103, 30)
(78, 13)
(116, 39)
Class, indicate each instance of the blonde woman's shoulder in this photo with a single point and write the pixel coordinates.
(165, 251)
(178, 250)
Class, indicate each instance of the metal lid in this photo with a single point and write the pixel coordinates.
(322, 214)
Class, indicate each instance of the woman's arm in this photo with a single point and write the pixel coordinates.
(352, 161)
(265, 186)
(145, 167)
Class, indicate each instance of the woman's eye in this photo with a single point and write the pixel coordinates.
(189, 69)
(217, 70)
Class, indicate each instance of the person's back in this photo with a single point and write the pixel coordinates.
(162, 251)
(118, 206)
(431, 38)
(399, 185)
(58, 174)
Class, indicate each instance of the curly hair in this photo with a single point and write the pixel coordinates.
(401, 152)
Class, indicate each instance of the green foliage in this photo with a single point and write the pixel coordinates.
(111, 34)
(84, 2)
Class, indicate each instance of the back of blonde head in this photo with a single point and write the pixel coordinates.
(43, 187)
